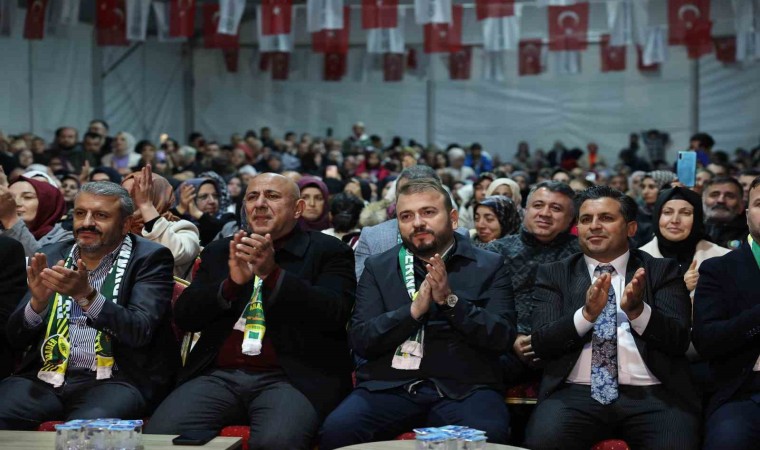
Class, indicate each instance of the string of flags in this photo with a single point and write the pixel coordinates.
(689, 24)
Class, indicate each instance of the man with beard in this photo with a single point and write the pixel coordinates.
(432, 316)
(67, 147)
(97, 317)
(723, 203)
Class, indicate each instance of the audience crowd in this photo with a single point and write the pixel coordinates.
(347, 291)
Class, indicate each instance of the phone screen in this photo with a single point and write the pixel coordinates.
(686, 168)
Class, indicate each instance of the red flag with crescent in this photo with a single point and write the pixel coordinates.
(280, 62)
(725, 49)
(111, 23)
(445, 37)
(335, 66)
(34, 23)
(612, 56)
(685, 15)
(212, 39)
(276, 17)
(393, 66)
(494, 8)
(568, 27)
(333, 41)
(379, 14)
(640, 62)
(698, 42)
(530, 57)
(460, 63)
(181, 18)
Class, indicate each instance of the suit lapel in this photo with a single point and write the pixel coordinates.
(581, 283)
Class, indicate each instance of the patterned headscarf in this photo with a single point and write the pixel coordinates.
(505, 211)
(221, 186)
(661, 177)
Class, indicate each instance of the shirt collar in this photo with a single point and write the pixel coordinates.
(620, 263)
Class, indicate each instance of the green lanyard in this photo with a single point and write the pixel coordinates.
(755, 249)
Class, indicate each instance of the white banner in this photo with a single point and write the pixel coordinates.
(627, 21)
(387, 40)
(656, 48)
(230, 14)
(324, 15)
(567, 62)
(161, 13)
(747, 24)
(432, 11)
(501, 33)
(137, 19)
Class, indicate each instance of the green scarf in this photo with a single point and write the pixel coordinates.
(252, 322)
(56, 347)
(755, 249)
(408, 355)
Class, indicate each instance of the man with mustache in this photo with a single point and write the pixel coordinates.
(723, 203)
(612, 326)
(96, 314)
(272, 307)
(432, 316)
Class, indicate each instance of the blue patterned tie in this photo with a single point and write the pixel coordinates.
(604, 366)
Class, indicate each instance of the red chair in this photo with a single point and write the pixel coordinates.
(241, 431)
(410, 436)
(523, 394)
(611, 444)
(49, 426)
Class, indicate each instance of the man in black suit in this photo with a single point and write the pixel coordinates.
(612, 326)
(97, 317)
(12, 290)
(432, 316)
(272, 308)
(727, 334)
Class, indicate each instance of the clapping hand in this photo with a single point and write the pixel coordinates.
(632, 302)
(596, 297)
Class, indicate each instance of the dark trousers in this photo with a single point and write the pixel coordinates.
(366, 416)
(734, 425)
(25, 401)
(280, 416)
(644, 416)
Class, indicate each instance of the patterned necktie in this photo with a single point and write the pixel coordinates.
(604, 366)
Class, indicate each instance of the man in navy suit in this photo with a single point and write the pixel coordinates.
(727, 334)
(432, 316)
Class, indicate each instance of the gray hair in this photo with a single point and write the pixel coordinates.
(418, 172)
(109, 189)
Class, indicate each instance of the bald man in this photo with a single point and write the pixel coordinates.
(272, 308)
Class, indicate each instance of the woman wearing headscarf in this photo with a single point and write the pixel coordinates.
(123, 157)
(508, 188)
(200, 203)
(153, 197)
(475, 192)
(495, 217)
(315, 215)
(651, 185)
(30, 211)
(680, 233)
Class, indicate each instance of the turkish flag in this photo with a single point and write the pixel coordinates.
(725, 49)
(231, 59)
(445, 37)
(34, 23)
(280, 62)
(684, 15)
(393, 66)
(411, 59)
(698, 41)
(333, 41)
(568, 26)
(111, 23)
(612, 56)
(640, 62)
(530, 57)
(212, 39)
(276, 17)
(181, 18)
(335, 66)
(379, 14)
(460, 63)
(494, 8)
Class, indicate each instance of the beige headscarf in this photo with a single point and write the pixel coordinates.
(513, 186)
(162, 199)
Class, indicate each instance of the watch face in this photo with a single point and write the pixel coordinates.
(451, 300)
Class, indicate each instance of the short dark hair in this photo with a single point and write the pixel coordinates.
(750, 172)
(705, 140)
(554, 186)
(100, 121)
(345, 210)
(60, 130)
(724, 180)
(420, 185)
(755, 183)
(556, 171)
(418, 172)
(628, 206)
(91, 135)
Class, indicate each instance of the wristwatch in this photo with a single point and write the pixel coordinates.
(452, 300)
(89, 298)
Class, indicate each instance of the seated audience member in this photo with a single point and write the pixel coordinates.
(153, 196)
(745, 179)
(97, 317)
(103, 173)
(680, 233)
(479, 187)
(345, 210)
(30, 211)
(272, 308)
(124, 156)
(432, 315)
(727, 334)
(508, 188)
(384, 236)
(495, 217)
(314, 193)
(612, 326)
(651, 185)
(200, 202)
(725, 220)
(544, 238)
(12, 289)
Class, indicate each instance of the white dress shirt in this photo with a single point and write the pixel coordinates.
(631, 367)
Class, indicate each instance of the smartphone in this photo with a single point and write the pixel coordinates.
(194, 437)
(686, 168)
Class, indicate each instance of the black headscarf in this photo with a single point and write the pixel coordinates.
(682, 251)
